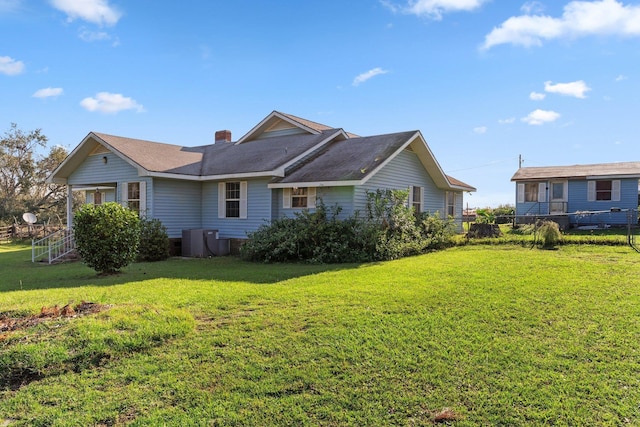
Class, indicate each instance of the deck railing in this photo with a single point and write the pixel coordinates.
(53, 247)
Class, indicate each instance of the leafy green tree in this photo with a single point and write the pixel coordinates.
(23, 176)
(107, 236)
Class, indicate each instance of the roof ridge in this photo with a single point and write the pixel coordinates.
(306, 122)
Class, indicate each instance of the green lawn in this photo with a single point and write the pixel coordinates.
(500, 335)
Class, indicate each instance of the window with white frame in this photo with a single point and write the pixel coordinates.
(416, 198)
(299, 197)
(95, 198)
(532, 192)
(451, 203)
(133, 195)
(603, 190)
(232, 199)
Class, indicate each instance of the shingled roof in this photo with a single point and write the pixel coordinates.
(349, 160)
(315, 154)
(621, 169)
(156, 156)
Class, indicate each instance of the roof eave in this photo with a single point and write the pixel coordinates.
(221, 177)
(347, 183)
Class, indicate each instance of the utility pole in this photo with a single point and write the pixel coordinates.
(520, 161)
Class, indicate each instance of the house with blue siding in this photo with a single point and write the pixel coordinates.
(283, 165)
(586, 195)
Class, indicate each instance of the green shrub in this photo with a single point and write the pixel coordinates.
(154, 241)
(318, 237)
(107, 236)
(390, 230)
(549, 233)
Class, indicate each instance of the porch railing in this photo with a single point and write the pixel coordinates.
(53, 247)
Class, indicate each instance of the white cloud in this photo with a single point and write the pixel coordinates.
(535, 96)
(539, 117)
(621, 78)
(92, 36)
(480, 130)
(94, 11)
(507, 121)
(110, 103)
(48, 92)
(361, 78)
(579, 19)
(577, 88)
(434, 9)
(532, 7)
(10, 66)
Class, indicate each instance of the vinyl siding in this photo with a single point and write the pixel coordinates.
(93, 171)
(404, 170)
(533, 208)
(578, 202)
(258, 209)
(330, 196)
(177, 205)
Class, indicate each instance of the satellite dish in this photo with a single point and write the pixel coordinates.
(29, 217)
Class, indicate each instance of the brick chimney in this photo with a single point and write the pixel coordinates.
(223, 136)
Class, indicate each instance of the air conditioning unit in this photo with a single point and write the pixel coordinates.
(199, 242)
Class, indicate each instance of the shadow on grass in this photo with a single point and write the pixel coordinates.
(19, 273)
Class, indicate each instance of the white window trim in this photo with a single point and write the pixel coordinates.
(542, 193)
(454, 204)
(222, 200)
(287, 196)
(520, 191)
(124, 196)
(91, 197)
(615, 190)
(421, 189)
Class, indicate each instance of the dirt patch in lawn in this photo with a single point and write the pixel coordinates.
(10, 322)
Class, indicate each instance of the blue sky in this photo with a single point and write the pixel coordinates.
(485, 81)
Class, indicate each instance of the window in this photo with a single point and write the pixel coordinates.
(232, 199)
(133, 196)
(417, 199)
(299, 197)
(603, 190)
(451, 203)
(95, 198)
(530, 192)
(557, 191)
